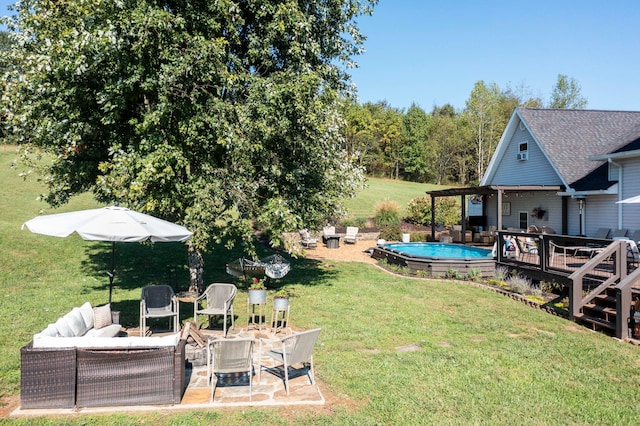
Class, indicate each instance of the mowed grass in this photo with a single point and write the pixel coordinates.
(393, 350)
(377, 190)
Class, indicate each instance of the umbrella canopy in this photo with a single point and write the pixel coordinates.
(630, 200)
(115, 224)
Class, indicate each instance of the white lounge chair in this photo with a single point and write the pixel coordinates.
(307, 240)
(352, 234)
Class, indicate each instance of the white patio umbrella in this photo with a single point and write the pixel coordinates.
(115, 224)
(630, 200)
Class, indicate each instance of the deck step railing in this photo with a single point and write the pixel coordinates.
(596, 272)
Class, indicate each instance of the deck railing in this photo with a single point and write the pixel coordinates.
(588, 267)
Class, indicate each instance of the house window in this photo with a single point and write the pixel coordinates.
(523, 155)
(523, 218)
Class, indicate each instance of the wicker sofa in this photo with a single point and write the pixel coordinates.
(89, 371)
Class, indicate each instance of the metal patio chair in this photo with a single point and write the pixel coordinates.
(219, 298)
(296, 349)
(159, 301)
(229, 357)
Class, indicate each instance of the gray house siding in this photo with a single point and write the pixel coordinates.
(536, 169)
(525, 202)
(630, 188)
(568, 149)
(601, 212)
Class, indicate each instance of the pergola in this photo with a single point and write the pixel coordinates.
(497, 190)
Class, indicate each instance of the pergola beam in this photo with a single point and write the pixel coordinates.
(499, 190)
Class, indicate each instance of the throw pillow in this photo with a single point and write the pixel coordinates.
(50, 331)
(63, 327)
(76, 322)
(87, 314)
(101, 316)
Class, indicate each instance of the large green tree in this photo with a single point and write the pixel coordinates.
(208, 113)
(416, 153)
(566, 94)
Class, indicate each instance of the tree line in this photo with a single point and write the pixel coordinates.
(442, 146)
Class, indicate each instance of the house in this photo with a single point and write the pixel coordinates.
(563, 170)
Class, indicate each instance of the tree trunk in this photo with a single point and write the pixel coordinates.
(196, 271)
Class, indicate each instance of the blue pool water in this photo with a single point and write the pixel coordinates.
(439, 250)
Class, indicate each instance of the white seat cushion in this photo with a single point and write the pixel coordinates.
(110, 330)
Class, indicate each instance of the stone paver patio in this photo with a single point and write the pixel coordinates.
(268, 383)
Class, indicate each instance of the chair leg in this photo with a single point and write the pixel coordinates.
(260, 362)
(311, 371)
(286, 378)
(214, 385)
(224, 327)
(208, 363)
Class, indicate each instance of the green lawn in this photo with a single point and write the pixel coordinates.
(363, 205)
(481, 358)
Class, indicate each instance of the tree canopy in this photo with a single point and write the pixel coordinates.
(208, 113)
(567, 94)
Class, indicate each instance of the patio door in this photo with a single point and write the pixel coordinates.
(523, 220)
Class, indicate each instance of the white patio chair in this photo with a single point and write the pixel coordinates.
(219, 298)
(295, 349)
(229, 356)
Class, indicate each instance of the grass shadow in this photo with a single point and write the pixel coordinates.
(141, 264)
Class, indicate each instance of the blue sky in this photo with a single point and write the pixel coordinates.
(432, 52)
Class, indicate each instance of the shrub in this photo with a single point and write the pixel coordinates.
(418, 236)
(550, 287)
(473, 274)
(391, 233)
(536, 291)
(519, 284)
(452, 274)
(360, 222)
(419, 211)
(398, 269)
(387, 213)
(501, 273)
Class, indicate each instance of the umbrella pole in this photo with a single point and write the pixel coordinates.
(113, 259)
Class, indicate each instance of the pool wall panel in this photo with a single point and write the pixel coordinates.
(436, 268)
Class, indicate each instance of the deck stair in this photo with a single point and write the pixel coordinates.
(600, 314)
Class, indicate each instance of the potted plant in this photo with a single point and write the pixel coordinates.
(281, 300)
(257, 292)
(538, 212)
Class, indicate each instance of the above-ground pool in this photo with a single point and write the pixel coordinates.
(436, 259)
(439, 250)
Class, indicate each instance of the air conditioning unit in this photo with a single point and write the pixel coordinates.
(523, 156)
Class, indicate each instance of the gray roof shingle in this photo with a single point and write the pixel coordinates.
(570, 137)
